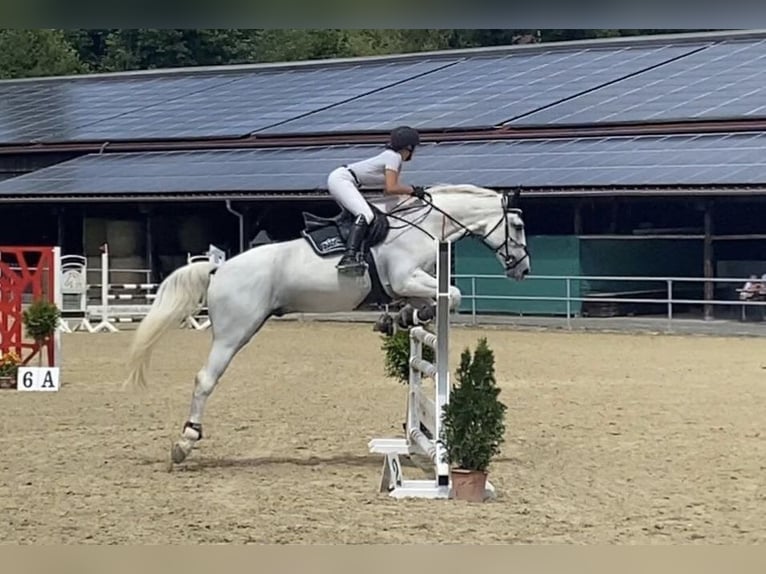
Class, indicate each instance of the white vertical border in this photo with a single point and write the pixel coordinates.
(58, 299)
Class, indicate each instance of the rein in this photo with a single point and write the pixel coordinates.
(508, 260)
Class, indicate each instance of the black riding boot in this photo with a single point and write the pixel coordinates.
(352, 262)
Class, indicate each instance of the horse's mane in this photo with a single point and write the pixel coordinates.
(445, 188)
(388, 202)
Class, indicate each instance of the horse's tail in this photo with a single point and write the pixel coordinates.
(178, 296)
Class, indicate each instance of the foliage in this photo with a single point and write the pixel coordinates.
(43, 52)
(34, 53)
(41, 319)
(473, 421)
(397, 350)
(9, 364)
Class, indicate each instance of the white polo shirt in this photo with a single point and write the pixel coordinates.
(371, 172)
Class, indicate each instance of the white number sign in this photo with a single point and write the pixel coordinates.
(44, 379)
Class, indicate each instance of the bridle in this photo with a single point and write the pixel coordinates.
(509, 202)
(509, 261)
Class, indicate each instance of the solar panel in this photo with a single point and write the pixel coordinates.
(725, 80)
(192, 105)
(716, 159)
(484, 91)
(255, 101)
(58, 109)
(193, 171)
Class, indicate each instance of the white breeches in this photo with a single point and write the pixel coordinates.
(341, 185)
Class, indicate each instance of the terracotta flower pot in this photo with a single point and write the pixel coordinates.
(468, 485)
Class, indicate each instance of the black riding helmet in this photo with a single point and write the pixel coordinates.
(404, 137)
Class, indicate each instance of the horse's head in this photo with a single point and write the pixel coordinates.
(493, 218)
(508, 239)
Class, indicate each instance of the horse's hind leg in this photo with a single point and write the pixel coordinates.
(226, 344)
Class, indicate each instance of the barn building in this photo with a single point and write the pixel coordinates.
(637, 156)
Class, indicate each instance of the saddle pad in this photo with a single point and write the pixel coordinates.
(325, 241)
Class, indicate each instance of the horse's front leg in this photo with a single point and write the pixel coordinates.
(422, 286)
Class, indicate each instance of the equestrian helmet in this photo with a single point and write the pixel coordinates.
(404, 137)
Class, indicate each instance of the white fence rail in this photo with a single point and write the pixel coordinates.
(475, 290)
(111, 295)
(472, 293)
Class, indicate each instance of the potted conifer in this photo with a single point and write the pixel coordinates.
(473, 423)
(41, 319)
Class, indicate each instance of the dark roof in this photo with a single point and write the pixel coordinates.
(185, 106)
(287, 120)
(484, 92)
(722, 81)
(612, 165)
(449, 90)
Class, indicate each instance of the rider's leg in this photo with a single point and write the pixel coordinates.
(342, 187)
(352, 259)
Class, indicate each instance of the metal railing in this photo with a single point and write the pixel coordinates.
(569, 298)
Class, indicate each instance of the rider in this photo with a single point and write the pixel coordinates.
(381, 170)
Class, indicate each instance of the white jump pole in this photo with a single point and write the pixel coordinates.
(58, 299)
(105, 325)
(443, 277)
(423, 412)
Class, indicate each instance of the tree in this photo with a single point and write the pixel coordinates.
(34, 53)
(25, 53)
(473, 421)
(144, 49)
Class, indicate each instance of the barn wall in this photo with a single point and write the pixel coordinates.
(641, 258)
(551, 255)
(563, 255)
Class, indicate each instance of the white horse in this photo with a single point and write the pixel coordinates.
(278, 278)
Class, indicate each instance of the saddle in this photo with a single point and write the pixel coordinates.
(327, 237)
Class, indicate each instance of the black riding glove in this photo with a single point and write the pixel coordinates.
(418, 192)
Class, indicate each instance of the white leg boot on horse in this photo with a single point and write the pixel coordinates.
(300, 276)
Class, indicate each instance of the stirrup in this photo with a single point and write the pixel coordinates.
(353, 265)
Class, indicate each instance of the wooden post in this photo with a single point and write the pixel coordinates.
(614, 215)
(708, 260)
(578, 218)
(61, 223)
(149, 252)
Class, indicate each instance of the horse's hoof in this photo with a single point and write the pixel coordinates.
(178, 454)
(385, 325)
(405, 317)
(426, 313)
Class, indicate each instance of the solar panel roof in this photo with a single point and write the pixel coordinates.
(187, 106)
(700, 79)
(721, 159)
(31, 111)
(485, 91)
(722, 81)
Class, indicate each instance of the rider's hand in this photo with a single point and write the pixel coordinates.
(418, 191)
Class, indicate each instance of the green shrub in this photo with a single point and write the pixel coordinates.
(397, 350)
(473, 421)
(40, 320)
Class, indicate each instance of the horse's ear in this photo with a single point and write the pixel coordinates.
(512, 200)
